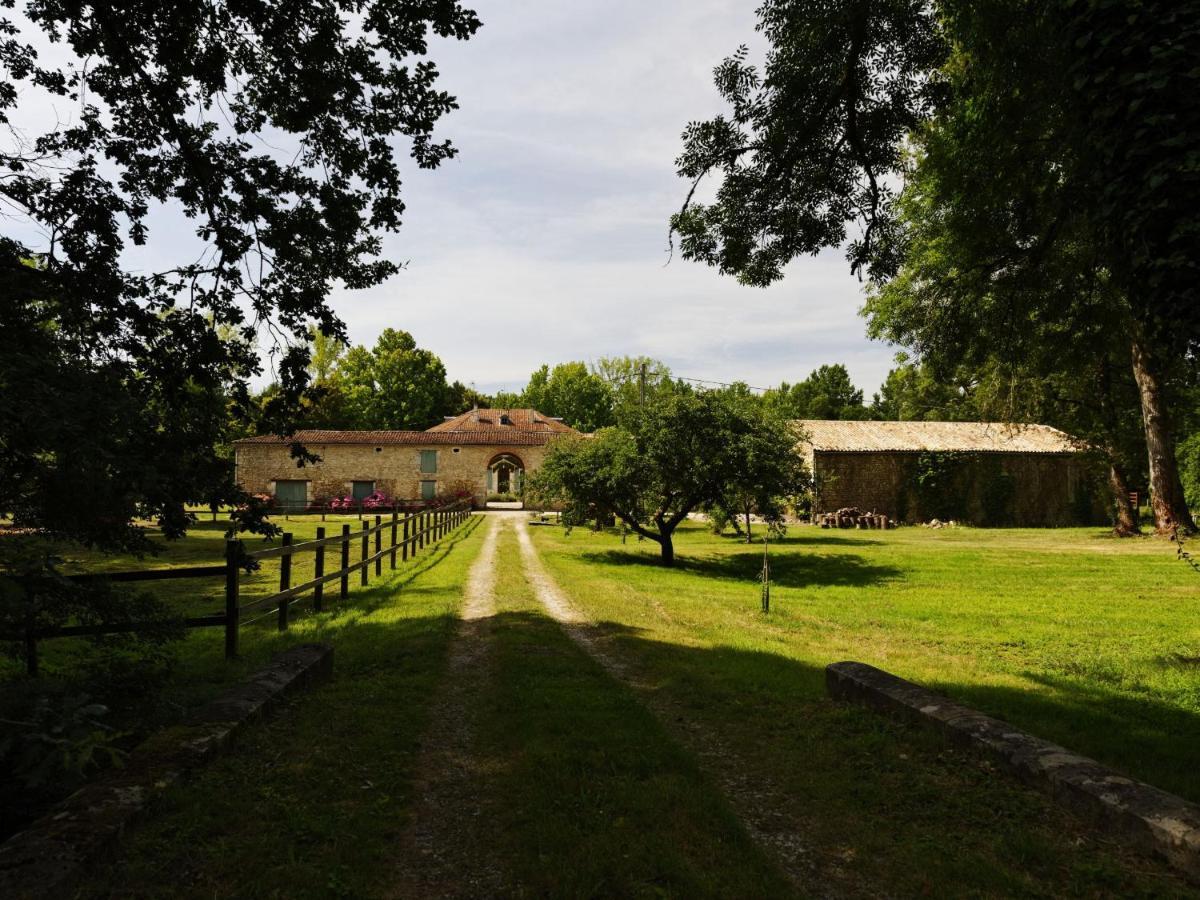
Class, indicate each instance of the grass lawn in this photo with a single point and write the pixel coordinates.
(591, 796)
(598, 785)
(311, 804)
(201, 666)
(1078, 637)
(140, 704)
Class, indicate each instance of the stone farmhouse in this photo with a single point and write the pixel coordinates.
(481, 452)
(985, 473)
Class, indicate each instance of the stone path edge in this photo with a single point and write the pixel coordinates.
(1134, 812)
(50, 857)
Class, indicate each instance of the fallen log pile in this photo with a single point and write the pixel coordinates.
(852, 517)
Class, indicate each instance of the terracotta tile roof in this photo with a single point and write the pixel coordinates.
(505, 421)
(987, 437)
(406, 438)
(523, 428)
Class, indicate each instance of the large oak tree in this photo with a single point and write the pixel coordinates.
(1057, 136)
(255, 150)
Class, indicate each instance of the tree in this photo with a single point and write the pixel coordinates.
(395, 385)
(1054, 138)
(635, 380)
(325, 353)
(115, 375)
(658, 463)
(461, 398)
(767, 471)
(912, 392)
(571, 392)
(827, 393)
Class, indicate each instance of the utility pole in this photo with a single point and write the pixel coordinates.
(642, 383)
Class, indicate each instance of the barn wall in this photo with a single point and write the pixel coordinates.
(395, 469)
(1040, 489)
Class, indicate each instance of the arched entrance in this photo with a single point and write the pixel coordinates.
(505, 474)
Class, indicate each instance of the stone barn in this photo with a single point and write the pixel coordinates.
(481, 452)
(984, 473)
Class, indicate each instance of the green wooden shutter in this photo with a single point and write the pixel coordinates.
(428, 490)
(428, 461)
(291, 494)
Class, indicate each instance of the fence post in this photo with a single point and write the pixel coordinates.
(232, 613)
(366, 551)
(345, 560)
(285, 581)
(394, 517)
(378, 546)
(422, 525)
(318, 571)
(404, 545)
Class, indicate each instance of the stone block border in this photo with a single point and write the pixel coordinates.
(1134, 812)
(49, 858)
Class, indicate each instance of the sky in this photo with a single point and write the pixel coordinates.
(545, 240)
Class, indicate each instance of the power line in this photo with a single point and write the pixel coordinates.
(666, 374)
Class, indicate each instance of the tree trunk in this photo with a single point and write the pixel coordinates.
(749, 540)
(668, 549)
(1166, 490)
(1127, 516)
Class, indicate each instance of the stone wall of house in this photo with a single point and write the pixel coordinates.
(1030, 489)
(395, 469)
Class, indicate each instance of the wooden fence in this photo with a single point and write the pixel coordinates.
(407, 537)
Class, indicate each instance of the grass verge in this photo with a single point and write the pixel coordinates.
(591, 797)
(1018, 623)
(311, 803)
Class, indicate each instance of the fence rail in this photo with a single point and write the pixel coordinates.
(408, 535)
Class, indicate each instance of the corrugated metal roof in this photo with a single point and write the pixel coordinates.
(880, 437)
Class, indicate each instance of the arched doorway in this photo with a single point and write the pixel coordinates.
(505, 474)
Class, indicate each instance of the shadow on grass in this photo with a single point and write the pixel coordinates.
(792, 570)
(582, 781)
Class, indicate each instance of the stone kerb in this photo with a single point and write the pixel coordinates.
(49, 858)
(1139, 814)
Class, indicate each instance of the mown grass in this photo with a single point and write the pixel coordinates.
(1073, 635)
(199, 667)
(142, 698)
(591, 797)
(312, 803)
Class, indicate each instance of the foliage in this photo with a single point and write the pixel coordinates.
(1047, 170)
(827, 393)
(34, 593)
(664, 460)
(809, 140)
(117, 374)
(937, 480)
(395, 385)
(58, 741)
(624, 375)
(1189, 468)
(912, 392)
(767, 473)
(587, 398)
(570, 391)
